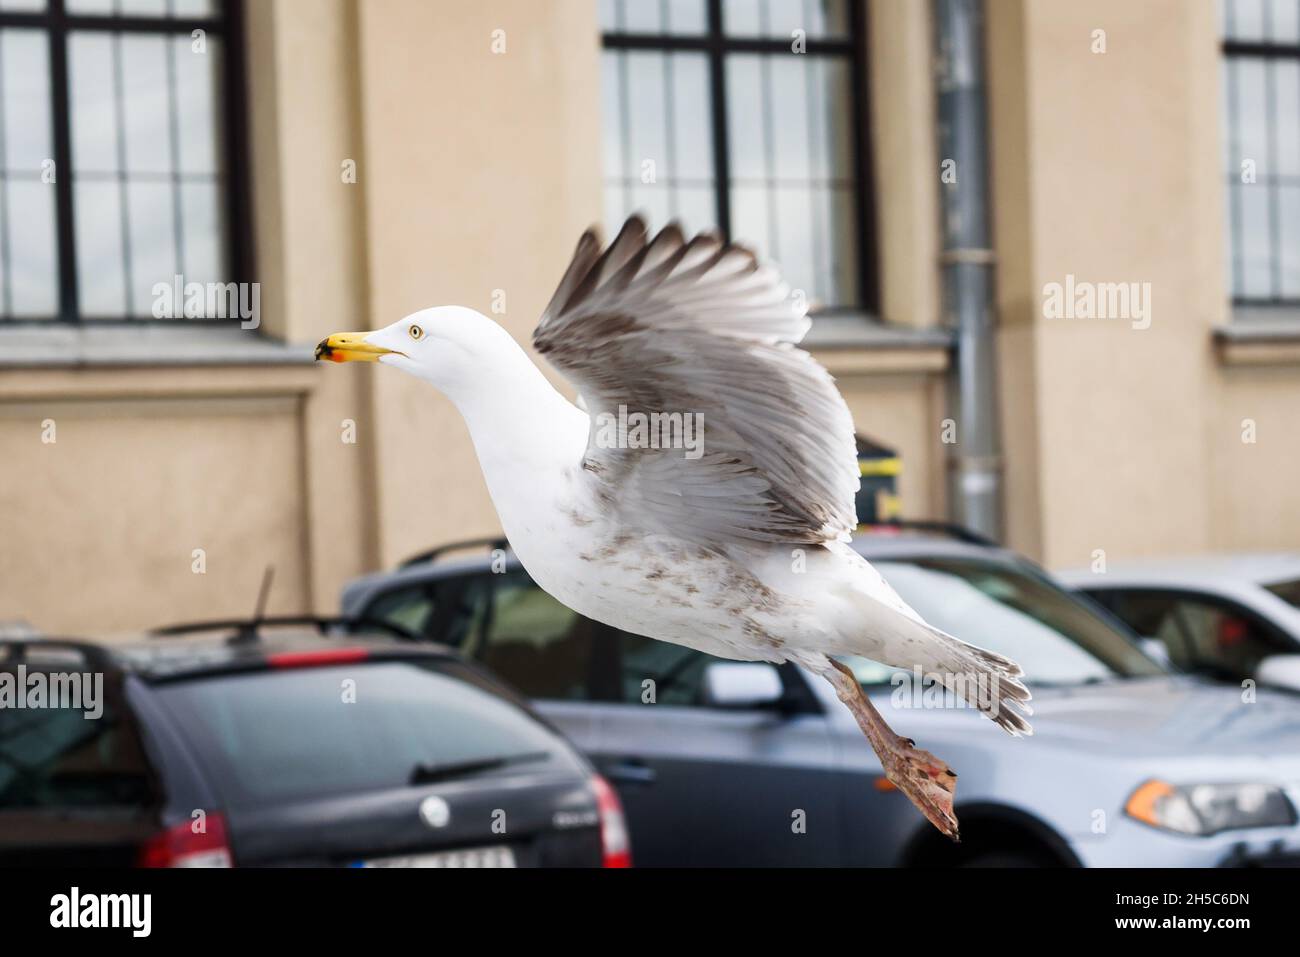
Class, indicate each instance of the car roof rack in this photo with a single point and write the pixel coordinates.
(18, 648)
(433, 554)
(936, 526)
(247, 629)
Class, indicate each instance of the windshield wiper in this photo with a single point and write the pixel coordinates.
(430, 773)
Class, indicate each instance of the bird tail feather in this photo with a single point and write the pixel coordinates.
(896, 635)
(982, 678)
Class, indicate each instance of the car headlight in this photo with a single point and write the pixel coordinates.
(1205, 809)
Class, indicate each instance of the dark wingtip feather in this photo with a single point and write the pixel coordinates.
(634, 226)
(675, 229)
(631, 239)
(672, 235)
(634, 254)
(585, 254)
(592, 238)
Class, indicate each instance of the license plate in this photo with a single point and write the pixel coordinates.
(467, 857)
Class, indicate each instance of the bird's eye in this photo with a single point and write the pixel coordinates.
(416, 332)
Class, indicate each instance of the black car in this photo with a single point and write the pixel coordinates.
(286, 744)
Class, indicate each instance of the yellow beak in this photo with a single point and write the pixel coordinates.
(349, 347)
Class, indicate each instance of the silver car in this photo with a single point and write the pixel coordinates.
(1230, 617)
(727, 763)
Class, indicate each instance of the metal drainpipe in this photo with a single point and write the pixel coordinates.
(967, 261)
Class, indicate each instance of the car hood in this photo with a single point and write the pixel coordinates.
(1184, 719)
(1164, 716)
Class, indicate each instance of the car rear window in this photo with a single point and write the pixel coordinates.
(285, 734)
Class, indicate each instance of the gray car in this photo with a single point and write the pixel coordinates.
(727, 763)
(1230, 617)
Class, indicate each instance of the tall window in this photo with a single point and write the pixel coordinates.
(118, 154)
(1261, 92)
(747, 116)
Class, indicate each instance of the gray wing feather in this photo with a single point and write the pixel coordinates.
(670, 325)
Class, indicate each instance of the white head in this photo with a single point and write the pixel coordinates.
(456, 349)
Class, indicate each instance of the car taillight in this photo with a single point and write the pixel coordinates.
(615, 846)
(316, 659)
(180, 846)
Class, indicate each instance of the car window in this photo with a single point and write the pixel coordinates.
(60, 758)
(448, 610)
(1050, 634)
(1201, 634)
(411, 608)
(273, 736)
(675, 673)
(540, 646)
(1288, 591)
(536, 644)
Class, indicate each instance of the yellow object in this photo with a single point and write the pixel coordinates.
(891, 467)
(888, 506)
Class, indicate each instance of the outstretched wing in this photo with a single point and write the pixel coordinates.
(664, 325)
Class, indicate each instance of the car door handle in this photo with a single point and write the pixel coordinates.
(630, 771)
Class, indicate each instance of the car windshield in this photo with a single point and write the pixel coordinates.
(274, 736)
(1288, 591)
(1054, 638)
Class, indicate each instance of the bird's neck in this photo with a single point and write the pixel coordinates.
(525, 433)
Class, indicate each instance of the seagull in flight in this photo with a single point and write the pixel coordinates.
(735, 544)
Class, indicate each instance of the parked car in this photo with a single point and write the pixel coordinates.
(726, 763)
(1229, 617)
(289, 744)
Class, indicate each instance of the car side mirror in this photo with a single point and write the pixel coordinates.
(1155, 648)
(742, 684)
(1280, 671)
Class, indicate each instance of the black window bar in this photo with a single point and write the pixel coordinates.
(1275, 244)
(717, 44)
(58, 19)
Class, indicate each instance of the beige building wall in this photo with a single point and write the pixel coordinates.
(481, 170)
(904, 160)
(143, 496)
(476, 171)
(311, 259)
(1106, 168)
(1255, 453)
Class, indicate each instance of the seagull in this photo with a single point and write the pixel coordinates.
(733, 538)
